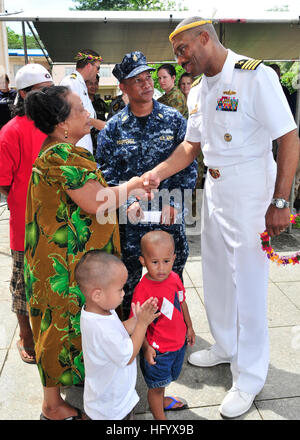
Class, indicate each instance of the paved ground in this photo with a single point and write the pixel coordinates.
(203, 388)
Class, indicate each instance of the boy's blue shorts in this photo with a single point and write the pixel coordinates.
(168, 367)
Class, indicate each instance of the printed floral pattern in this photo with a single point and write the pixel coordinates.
(57, 234)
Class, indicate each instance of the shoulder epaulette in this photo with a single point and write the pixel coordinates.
(196, 82)
(247, 64)
(73, 76)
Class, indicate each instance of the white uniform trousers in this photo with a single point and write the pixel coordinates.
(235, 269)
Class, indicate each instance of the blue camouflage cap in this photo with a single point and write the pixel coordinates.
(132, 64)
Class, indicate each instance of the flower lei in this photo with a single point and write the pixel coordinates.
(271, 254)
(85, 56)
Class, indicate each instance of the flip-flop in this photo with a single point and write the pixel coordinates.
(170, 407)
(77, 417)
(25, 359)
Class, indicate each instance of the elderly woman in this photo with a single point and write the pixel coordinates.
(173, 97)
(65, 193)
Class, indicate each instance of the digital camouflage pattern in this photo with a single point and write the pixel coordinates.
(126, 149)
(176, 99)
(57, 234)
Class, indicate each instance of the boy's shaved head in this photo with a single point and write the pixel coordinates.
(157, 238)
(96, 269)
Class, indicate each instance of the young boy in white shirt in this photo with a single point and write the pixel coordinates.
(109, 345)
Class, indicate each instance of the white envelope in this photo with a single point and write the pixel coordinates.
(151, 216)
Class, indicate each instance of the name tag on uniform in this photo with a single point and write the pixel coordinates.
(125, 141)
(227, 104)
(166, 138)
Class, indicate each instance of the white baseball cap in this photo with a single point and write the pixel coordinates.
(31, 74)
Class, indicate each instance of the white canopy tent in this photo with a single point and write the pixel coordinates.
(114, 33)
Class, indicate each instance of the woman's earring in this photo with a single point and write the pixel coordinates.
(66, 134)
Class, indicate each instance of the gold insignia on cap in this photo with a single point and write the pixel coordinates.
(135, 57)
(227, 137)
(229, 92)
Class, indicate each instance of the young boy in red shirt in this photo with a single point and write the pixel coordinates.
(162, 355)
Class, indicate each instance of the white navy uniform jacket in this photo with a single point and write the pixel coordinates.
(77, 84)
(237, 113)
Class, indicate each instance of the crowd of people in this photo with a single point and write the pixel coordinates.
(84, 221)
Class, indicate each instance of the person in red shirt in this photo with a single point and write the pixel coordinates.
(164, 346)
(20, 143)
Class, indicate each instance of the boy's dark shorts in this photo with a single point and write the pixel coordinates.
(167, 369)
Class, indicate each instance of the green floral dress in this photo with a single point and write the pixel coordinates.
(57, 234)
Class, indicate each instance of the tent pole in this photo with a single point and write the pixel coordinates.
(38, 42)
(24, 43)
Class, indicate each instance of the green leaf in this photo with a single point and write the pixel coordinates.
(66, 378)
(60, 282)
(62, 150)
(109, 247)
(64, 357)
(80, 234)
(76, 296)
(46, 320)
(75, 322)
(29, 280)
(78, 363)
(32, 235)
(60, 236)
(76, 177)
(62, 212)
(42, 374)
(35, 178)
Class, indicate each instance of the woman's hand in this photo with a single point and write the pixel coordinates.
(137, 188)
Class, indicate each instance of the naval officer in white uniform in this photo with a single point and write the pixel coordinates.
(234, 114)
(87, 67)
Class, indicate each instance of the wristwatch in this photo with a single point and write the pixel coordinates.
(280, 203)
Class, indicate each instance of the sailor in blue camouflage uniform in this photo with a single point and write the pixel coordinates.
(140, 136)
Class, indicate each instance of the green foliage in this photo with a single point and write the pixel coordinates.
(179, 71)
(125, 5)
(289, 72)
(288, 80)
(15, 41)
(276, 8)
